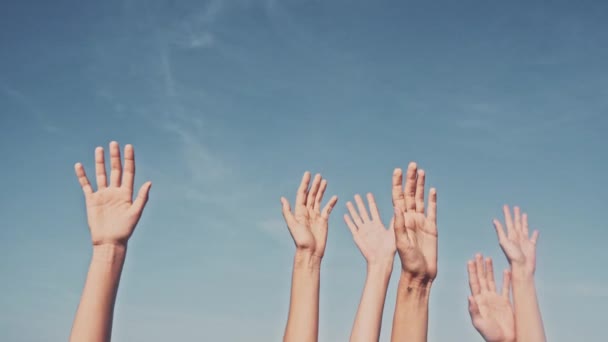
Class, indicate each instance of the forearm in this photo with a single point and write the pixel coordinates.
(410, 322)
(368, 321)
(303, 320)
(93, 321)
(528, 320)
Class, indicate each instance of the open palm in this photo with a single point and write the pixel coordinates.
(491, 312)
(111, 212)
(517, 244)
(376, 243)
(416, 233)
(308, 224)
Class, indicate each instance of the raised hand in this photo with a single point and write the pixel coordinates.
(111, 211)
(376, 243)
(112, 215)
(308, 223)
(491, 312)
(518, 246)
(415, 232)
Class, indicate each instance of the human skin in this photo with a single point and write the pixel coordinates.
(520, 249)
(377, 245)
(491, 312)
(416, 240)
(308, 227)
(112, 215)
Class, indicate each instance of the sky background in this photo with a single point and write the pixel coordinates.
(227, 103)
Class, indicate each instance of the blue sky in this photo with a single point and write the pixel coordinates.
(228, 102)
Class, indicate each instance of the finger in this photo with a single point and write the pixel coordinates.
(82, 179)
(128, 174)
(301, 195)
(432, 207)
(353, 213)
(481, 273)
(420, 191)
(410, 187)
(534, 237)
(100, 168)
(490, 275)
(473, 280)
(373, 208)
(499, 230)
(399, 225)
(142, 197)
(303, 189)
(312, 194)
(361, 208)
(525, 228)
(506, 283)
(518, 226)
(320, 193)
(287, 214)
(328, 207)
(115, 166)
(398, 196)
(473, 308)
(351, 225)
(509, 222)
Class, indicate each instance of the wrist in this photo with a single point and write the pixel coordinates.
(419, 287)
(384, 267)
(521, 273)
(306, 259)
(109, 253)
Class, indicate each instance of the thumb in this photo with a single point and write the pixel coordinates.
(142, 198)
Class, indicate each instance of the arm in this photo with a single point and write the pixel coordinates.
(416, 238)
(377, 244)
(112, 216)
(520, 249)
(491, 312)
(308, 228)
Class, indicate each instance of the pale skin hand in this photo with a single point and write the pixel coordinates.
(308, 227)
(308, 224)
(519, 247)
(491, 312)
(111, 212)
(416, 240)
(112, 216)
(377, 244)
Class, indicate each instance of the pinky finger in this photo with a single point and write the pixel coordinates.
(82, 179)
(329, 206)
(351, 225)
